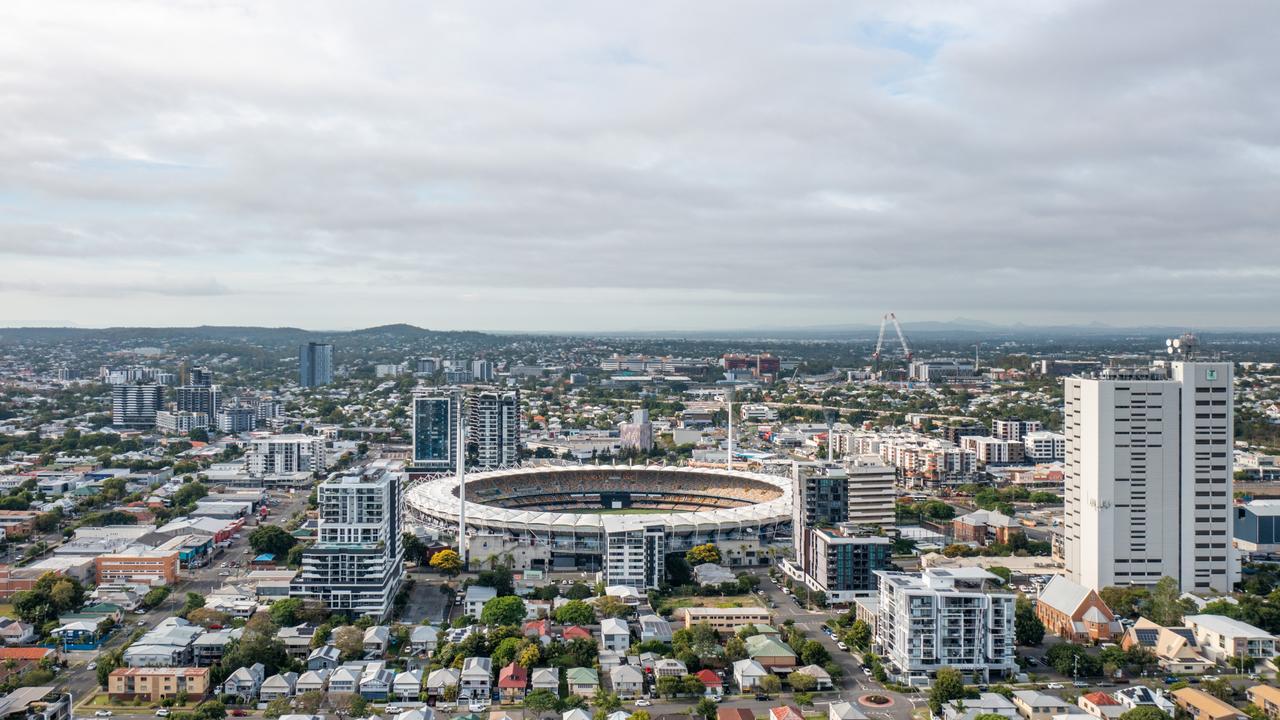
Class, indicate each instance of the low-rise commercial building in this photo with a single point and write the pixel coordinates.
(153, 567)
(725, 620)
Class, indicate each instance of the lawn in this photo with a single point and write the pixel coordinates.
(708, 601)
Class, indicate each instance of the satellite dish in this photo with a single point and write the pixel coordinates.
(1170, 350)
(1177, 342)
(1169, 342)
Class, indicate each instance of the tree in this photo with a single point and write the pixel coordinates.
(504, 610)
(271, 539)
(612, 607)
(575, 612)
(529, 656)
(194, 601)
(350, 640)
(276, 708)
(804, 699)
(211, 710)
(359, 706)
(699, 554)
(1166, 607)
(813, 652)
(206, 617)
(735, 649)
(1071, 660)
(802, 682)
(447, 562)
(1003, 573)
(859, 635)
(639, 715)
(578, 591)
(1028, 629)
(669, 686)
(310, 701)
(1218, 688)
(705, 709)
(770, 684)
(1126, 601)
(541, 702)
(1145, 712)
(989, 716)
(605, 700)
(947, 686)
(285, 612)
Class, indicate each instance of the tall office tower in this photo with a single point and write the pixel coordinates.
(437, 415)
(357, 562)
(205, 399)
(871, 491)
(199, 377)
(1148, 476)
(495, 428)
(638, 433)
(427, 366)
(482, 371)
(315, 364)
(820, 497)
(134, 405)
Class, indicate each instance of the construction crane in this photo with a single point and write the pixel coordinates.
(906, 349)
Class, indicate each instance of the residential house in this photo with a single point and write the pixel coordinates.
(626, 682)
(821, 677)
(438, 680)
(278, 686)
(78, 635)
(1101, 705)
(16, 632)
(476, 680)
(712, 574)
(424, 639)
(208, 649)
(712, 682)
(1035, 705)
(375, 681)
(1201, 705)
(345, 680)
(422, 712)
(539, 630)
(166, 645)
(325, 657)
(728, 713)
(1139, 695)
(1223, 639)
(582, 681)
(312, 681)
(154, 684)
(1266, 698)
(653, 627)
(297, 639)
(244, 682)
(576, 714)
(614, 635)
(407, 685)
(770, 652)
(844, 710)
(576, 632)
(669, 667)
(747, 674)
(545, 679)
(1075, 613)
(984, 704)
(785, 712)
(476, 597)
(377, 639)
(513, 682)
(610, 659)
(1176, 649)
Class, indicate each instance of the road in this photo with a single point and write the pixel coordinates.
(82, 682)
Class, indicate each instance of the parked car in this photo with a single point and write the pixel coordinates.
(643, 702)
(238, 712)
(1054, 686)
(91, 666)
(103, 713)
(842, 646)
(761, 696)
(162, 712)
(1080, 684)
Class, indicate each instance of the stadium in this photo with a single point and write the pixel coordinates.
(620, 520)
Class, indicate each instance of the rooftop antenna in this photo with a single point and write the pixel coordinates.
(1185, 346)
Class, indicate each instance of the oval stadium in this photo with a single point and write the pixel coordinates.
(620, 520)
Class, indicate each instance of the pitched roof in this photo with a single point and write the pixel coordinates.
(709, 678)
(513, 675)
(582, 676)
(731, 713)
(1063, 595)
(1100, 698)
(24, 653)
(767, 646)
(574, 632)
(785, 712)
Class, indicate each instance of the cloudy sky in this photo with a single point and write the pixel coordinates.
(600, 165)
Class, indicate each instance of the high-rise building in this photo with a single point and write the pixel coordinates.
(635, 558)
(1149, 476)
(357, 561)
(638, 433)
(286, 454)
(944, 618)
(495, 428)
(820, 496)
(1013, 430)
(237, 419)
(482, 371)
(134, 405)
(427, 365)
(871, 491)
(315, 364)
(842, 561)
(436, 420)
(205, 399)
(199, 377)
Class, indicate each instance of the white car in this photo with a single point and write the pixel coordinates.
(394, 709)
(1054, 686)
(642, 702)
(102, 713)
(842, 646)
(162, 712)
(91, 666)
(478, 706)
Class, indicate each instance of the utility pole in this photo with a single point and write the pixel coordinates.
(460, 464)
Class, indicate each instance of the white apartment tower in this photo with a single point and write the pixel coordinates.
(495, 428)
(1149, 476)
(871, 491)
(285, 454)
(357, 562)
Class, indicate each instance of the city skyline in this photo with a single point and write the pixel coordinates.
(591, 167)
